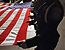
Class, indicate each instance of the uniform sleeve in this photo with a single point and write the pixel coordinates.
(54, 17)
(55, 14)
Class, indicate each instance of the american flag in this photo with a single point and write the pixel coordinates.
(13, 26)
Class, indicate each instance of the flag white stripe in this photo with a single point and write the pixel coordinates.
(4, 14)
(30, 32)
(1, 31)
(13, 30)
(5, 25)
(7, 4)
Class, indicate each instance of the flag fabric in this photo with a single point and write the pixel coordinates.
(13, 26)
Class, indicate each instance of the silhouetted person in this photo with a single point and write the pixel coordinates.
(50, 14)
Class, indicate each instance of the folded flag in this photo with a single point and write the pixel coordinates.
(13, 26)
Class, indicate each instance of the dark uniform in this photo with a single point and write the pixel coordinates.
(48, 17)
(47, 22)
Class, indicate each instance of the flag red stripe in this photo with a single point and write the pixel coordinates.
(9, 28)
(6, 17)
(2, 12)
(23, 29)
(10, 4)
(2, 7)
